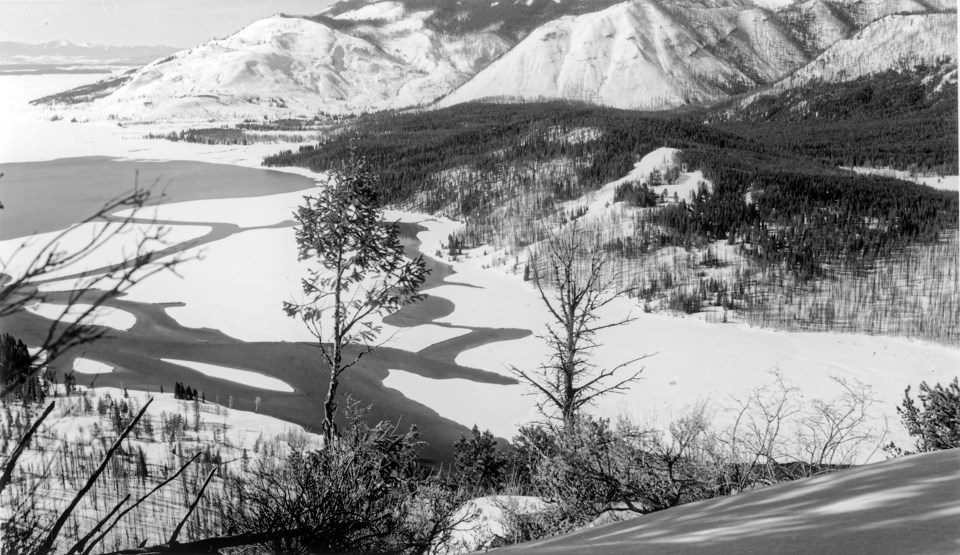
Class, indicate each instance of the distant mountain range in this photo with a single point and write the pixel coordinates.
(64, 52)
(362, 56)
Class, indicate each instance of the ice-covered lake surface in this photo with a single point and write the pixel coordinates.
(444, 364)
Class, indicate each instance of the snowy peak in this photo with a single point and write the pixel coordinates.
(650, 54)
(640, 55)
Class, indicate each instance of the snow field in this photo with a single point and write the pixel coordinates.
(468, 402)
(36, 138)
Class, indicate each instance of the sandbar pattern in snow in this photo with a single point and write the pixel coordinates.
(245, 377)
(99, 316)
(467, 402)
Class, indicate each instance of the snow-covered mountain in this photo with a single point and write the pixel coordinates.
(295, 65)
(640, 55)
(649, 55)
(63, 52)
(361, 56)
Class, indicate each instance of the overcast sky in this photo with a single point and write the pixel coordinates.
(181, 23)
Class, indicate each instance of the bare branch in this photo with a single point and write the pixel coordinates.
(24, 442)
(196, 501)
(47, 543)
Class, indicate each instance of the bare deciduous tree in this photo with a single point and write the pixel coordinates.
(776, 437)
(575, 289)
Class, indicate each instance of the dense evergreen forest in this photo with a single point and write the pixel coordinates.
(789, 209)
(901, 119)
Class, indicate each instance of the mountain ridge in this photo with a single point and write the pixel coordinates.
(360, 56)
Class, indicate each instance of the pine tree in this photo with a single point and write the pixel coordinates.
(479, 465)
(360, 272)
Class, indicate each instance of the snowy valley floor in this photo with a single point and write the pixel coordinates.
(445, 362)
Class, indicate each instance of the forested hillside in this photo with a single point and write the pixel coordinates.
(800, 225)
(901, 119)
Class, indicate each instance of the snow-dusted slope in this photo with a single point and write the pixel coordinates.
(890, 43)
(290, 65)
(640, 54)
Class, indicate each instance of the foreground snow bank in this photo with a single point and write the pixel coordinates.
(907, 505)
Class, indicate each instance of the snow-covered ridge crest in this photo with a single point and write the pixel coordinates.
(380, 11)
(891, 42)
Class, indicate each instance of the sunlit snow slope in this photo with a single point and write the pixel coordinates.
(893, 42)
(907, 505)
(290, 65)
(643, 55)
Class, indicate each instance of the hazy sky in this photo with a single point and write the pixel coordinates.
(182, 23)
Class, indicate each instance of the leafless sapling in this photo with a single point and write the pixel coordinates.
(575, 288)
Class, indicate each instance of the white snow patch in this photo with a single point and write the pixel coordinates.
(420, 337)
(943, 182)
(245, 377)
(381, 11)
(90, 366)
(467, 402)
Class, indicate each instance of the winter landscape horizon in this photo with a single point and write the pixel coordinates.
(422, 276)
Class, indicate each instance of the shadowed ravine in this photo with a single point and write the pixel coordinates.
(135, 354)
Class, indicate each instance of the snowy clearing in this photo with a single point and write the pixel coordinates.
(245, 377)
(943, 182)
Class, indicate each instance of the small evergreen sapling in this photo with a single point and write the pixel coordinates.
(935, 425)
